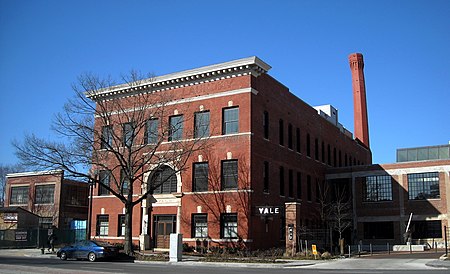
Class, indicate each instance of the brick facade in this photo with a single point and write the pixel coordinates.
(309, 146)
(430, 215)
(69, 197)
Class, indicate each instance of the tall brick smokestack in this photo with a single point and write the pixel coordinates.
(361, 122)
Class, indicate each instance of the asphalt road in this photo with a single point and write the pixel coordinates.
(13, 265)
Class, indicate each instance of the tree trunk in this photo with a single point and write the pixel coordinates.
(128, 244)
(341, 246)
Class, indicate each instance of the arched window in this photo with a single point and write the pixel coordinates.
(164, 181)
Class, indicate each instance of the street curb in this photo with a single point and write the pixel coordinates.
(225, 264)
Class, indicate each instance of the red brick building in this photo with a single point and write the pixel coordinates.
(268, 148)
(56, 200)
(385, 196)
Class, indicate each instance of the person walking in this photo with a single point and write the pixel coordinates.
(51, 242)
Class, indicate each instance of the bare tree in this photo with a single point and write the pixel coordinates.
(217, 197)
(340, 214)
(115, 135)
(4, 170)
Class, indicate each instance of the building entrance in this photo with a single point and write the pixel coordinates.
(164, 225)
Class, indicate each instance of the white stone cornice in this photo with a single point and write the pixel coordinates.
(246, 66)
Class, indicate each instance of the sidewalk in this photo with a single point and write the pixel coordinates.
(353, 263)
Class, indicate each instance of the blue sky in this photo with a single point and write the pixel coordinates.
(45, 45)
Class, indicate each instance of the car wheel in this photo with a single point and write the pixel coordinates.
(92, 256)
(63, 256)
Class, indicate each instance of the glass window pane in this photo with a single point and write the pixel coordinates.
(230, 120)
(201, 124)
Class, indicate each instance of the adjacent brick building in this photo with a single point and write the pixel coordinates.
(268, 148)
(56, 200)
(385, 196)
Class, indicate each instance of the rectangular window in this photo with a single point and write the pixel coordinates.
(19, 195)
(299, 185)
(323, 152)
(102, 225)
(230, 120)
(334, 157)
(106, 141)
(229, 174)
(200, 181)
(104, 178)
(281, 181)
(266, 177)
(291, 183)
(423, 186)
(319, 193)
(290, 136)
(121, 225)
(308, 145)
(329, 154)
(266, 125)
(379, 230)
(125, 183)
(426, 229)
(281, 132)
(44, 194)
(199, 226)
(377, 188)
(201, 121)
(229, 226)
(77, 196)
(176, 128)
(308, 188)
(127, 134)
(316, 149)
(297, 137)
(151, 131)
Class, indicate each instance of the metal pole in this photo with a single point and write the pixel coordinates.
(445, 236)
(91, 190)
(349, 251)
(371, 250)
(388, 248)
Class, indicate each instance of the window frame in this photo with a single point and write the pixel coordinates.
(25, 195)
(266, 177)
(200, 176)
(151, 131)
(42, 194)
(106, 137)
(423, 181)
(266, 125)
(229, 124)
(201, 227)
(382, 187)
(102, 230)
(201, 129)
(176, 127)
(232, 177)
(281, 180)
(228, 226)
(127, 134)
(102, 176)
(121, 225)
(172, 181)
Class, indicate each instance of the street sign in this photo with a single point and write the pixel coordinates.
(314, 249)
(268, 210)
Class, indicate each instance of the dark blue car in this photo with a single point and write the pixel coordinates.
(91, 250)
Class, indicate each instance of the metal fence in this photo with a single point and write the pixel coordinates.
(33, 238)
